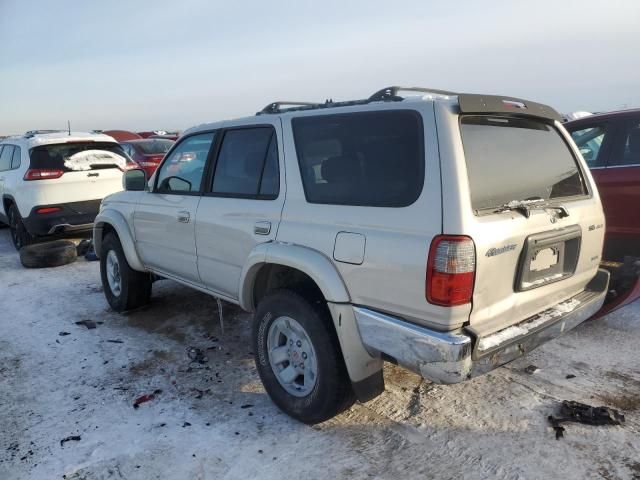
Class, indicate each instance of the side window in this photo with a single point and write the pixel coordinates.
(15, 161)
(626, 151)
(589, 141)
(369, 158)
(247, 164)
(5, 158)
(182, 170)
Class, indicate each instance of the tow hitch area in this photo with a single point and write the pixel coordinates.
(624, 286)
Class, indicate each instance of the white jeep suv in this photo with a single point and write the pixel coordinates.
(53, 181)
(448, 233)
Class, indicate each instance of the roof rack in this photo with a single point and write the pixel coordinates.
(32, 133)
(391, 93)
(274, 107)
(385, 95)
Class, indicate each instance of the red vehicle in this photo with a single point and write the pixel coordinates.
(610, 144)
(147, 152)
(122, 135)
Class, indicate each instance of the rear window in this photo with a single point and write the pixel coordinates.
(368, 158)
(514, 159)
(155, 147)
(78, 156)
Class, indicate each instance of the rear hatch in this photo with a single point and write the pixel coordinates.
(537, 226)
(77, 170)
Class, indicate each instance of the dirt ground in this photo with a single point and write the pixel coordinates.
(213, 420)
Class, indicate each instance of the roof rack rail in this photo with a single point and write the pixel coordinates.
(32, 133)
(390, 94)
(274, 107)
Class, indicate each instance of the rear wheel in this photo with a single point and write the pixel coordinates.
(124, 287)
(299, 359)
(19, 234)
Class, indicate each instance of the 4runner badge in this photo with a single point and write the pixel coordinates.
(492, 252)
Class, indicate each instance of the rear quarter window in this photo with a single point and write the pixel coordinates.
(367, 158)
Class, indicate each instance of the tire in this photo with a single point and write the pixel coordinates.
(19, 234)
(48, 254)
(329, 390)
(128, 288)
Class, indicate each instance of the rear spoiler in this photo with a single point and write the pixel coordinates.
(477, 103)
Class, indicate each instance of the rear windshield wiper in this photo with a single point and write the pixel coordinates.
(522, 206)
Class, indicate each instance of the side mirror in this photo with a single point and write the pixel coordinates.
(134, 180)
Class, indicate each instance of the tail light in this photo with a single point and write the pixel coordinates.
(130, 165)
(42, 174)
(45, 210)
(450, 270)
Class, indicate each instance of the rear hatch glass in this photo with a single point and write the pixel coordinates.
(158, 146)
(78, 156)
(514, 160)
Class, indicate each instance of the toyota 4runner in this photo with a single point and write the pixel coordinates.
(449, 233)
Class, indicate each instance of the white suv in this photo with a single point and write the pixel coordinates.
(449, 233)
(52, 181)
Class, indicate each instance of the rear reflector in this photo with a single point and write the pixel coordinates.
(42, 174)
(450, 270)
(48, 210)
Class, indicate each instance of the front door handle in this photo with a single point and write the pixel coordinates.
(184, 216)
(262, 228)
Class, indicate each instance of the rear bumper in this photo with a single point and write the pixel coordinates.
(452, 357)
(72, 217)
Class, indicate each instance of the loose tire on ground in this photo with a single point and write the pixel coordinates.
(19, 234)
(48, 254)
(331, 393)
(124, 287)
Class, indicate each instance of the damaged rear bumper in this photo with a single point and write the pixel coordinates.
(452, 357)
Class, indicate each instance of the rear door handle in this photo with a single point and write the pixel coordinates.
(184, 216)
(262, 228)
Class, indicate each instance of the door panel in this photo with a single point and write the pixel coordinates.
(164, 230)
(164, 220)
(243, 206)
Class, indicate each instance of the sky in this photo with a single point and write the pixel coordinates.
(161, 64)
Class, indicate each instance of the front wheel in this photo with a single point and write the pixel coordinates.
(299, 359)
(124, 287)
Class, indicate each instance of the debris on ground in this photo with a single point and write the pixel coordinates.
(570, 376)
(90, 324)
(186, 424)
(530, 369)
(62, 334)
(246, 405)
(196, 355)
(70, 438)
(115, 341)
(146, 398)
(201, 393)
(582, 413)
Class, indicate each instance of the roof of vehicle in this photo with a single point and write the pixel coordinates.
(47, 137)
(146, 140)
(466, 102)
(634, 112)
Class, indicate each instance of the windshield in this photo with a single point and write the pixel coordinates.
(155, 147)
(75, 156)
(515, 159)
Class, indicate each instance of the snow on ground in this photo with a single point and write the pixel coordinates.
(214, 420)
